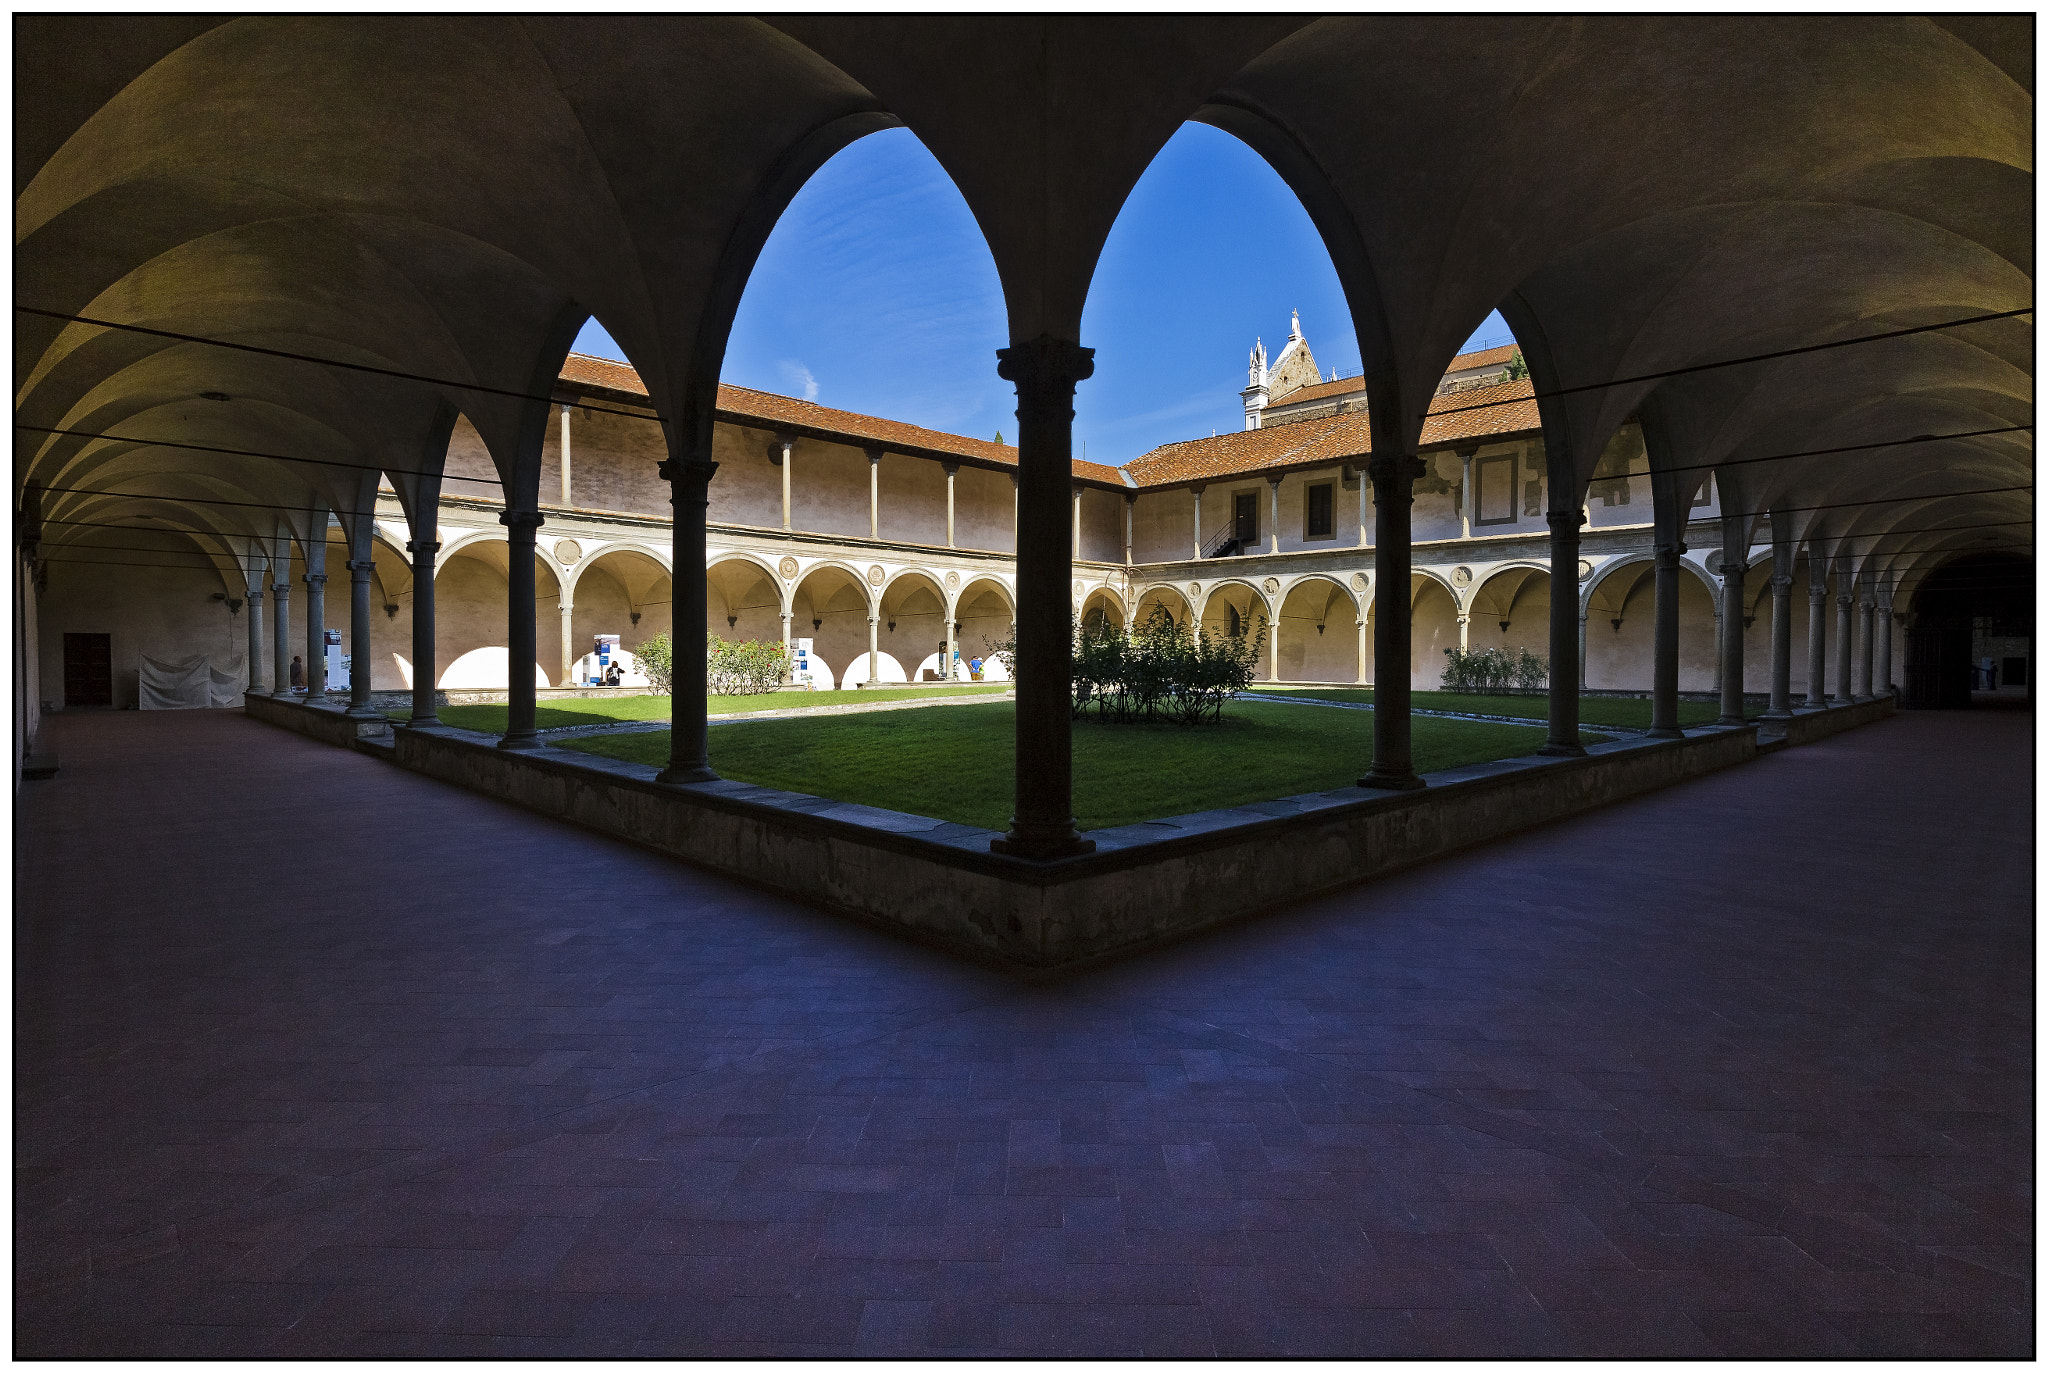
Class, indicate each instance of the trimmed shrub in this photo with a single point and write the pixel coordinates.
(746, 668)
(657, 658)
(1159, 671)
(1494, 671)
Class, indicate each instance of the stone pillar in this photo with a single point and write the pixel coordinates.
(281, 614)
(1364, 524)
(1045, 370)
(359, 650)
(781, 451)
(1732, 597)
(948, 669)
(424, 670)
(1075, 523)
(1273, 525)
(689, 484)
(255, 588)
(787, 655)
(569, 653)
(1273, 645)
(1464, 633)
(1393, 757)
(1130, 515)
(1465, 456)
(875, 492)
(1867, 660)
(1884, 647)
(316, 612)
(1583, 608)
(1198, 520)
(1720, 649)
(567, 496)
(1563, 741)
(1816, 634)
(522, 646)
(1781, 643)
(1664, 652)
(1844, 638)
(1364, 651)
(951, 469)
(874, 647)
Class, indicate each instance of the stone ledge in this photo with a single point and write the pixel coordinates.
(1809, 724)
(330, 724)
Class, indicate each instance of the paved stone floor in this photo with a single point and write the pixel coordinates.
(316, 1057)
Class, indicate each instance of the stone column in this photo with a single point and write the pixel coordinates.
(874, 647)
(1130, 509)
(281, 614)
(1273, 525)
(1563, 741)
(1364, 651)
(567, 497)
(781, 451)
(1364, 524)
(1816, 634)
(1583, 609)
(689, 484)
(951, 469)
(1075, 523)
(255, 589)
(947, 669)
(1781, 643)
(1465, 456)
(1393, 757)
(1884, 646)
(875, 492)
(1664, 652)
(1867, 661)
(522, 646)
(569, 653)
(1732, 596)
(1844, 638)
(316, 613)
(359, 661)
(1464, 633)
(1045, 370)
(787, 655)
(424, 670)
(1273, 644)
(1198, 521)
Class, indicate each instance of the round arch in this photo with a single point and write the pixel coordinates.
(829, 604)
(1316, 623)
(985, 615)
(913, 605)
(1161, 595)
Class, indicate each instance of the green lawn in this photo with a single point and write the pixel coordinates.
(597, 710)
(957, 764)
(1593, 710)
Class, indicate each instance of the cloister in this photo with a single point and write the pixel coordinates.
(295, 304)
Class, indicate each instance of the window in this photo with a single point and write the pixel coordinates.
(1493, 500)
(1317, 522)
(1246, 529)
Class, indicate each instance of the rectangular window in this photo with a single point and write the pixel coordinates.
(1317, 522)
(1246, 527)
(1494, 499)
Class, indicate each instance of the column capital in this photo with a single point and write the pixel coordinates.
(949, 468)
(426, 546)
(315, 578)
(1045, 368)
(1845, 600)
(528, 520)
(1391, 467)
(689, 472)
(1668, 554)
(281, 591)
(779, 446)
(1276, 479)
(874, 619)
(366, 566)
(874, 456)
(1560, 520)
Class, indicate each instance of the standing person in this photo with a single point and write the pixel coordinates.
(298, 674)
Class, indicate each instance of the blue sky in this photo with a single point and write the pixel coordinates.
(876, 293)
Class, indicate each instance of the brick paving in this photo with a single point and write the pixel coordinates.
(315, 1057)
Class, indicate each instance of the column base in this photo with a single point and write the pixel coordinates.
(1042, 848)
(1859, 700)
(1558, 750)
(1392, 781)
(1727, 720)
(520, 741)
(364, 712)
(1666, 733)
(676, 777)
(1785, 714)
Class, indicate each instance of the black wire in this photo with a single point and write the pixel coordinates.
(331, 362)
(1826, 452)
(250, 453)
(1732, 362)
(197, 500)
(1893, 500)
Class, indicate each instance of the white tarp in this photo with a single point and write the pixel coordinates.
(186, 684)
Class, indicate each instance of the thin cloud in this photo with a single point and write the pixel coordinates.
(799, 378)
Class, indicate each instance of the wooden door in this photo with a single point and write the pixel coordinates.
(88, 671)
(1246, 531)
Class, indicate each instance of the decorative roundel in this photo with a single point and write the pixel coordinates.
(1272, 585)
(1585, 569)
(1359, 581)
(952, 581)
(1194, 588)
(1462, 577)
(567, 551)
(1077, 584)
(875, 575)
(788, 566)
(1713, 562)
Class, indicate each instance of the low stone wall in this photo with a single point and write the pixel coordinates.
(1144, 884)
(1806, 725)
(328, 722)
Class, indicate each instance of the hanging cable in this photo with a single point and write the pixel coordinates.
(251, 453)
(1829, 452)
(332, 362)
(1733, 362)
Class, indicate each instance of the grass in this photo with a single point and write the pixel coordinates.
(1593, 710)
(489, 717)
(958, 764)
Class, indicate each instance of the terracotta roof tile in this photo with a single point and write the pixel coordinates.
(1335, 438)
(1485, 357)
(1329, 388)
(741, 405)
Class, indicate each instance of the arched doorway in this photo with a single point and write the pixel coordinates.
(1976, 607)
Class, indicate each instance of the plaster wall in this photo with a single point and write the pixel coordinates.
(1162, 523)
(913, 501)
(1432, 630)
(165, 612)
(828, 489)
(614, 463)
(1307, 655)
(1102, 526)
(747, 488)
(986, 514)
(469, 458)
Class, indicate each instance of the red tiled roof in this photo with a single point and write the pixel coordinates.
(741, 405)
(1318, 392)
(1464, 362)
(1485, 357)
(1334, 438)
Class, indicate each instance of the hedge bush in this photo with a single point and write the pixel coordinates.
(1494, 671)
